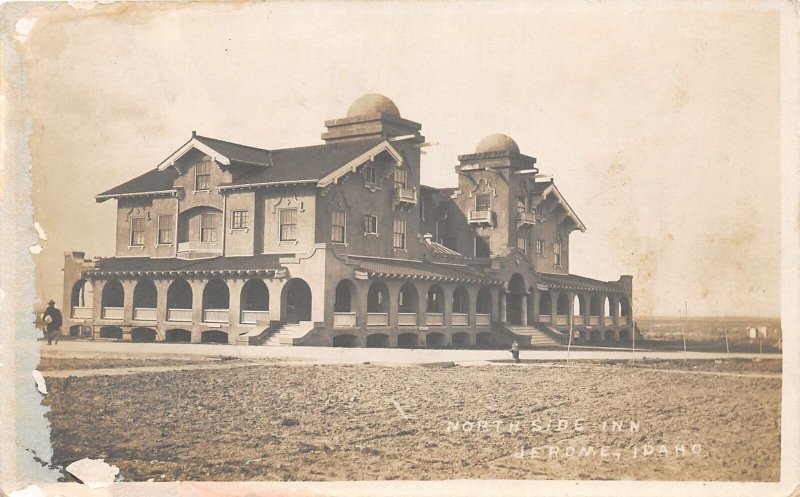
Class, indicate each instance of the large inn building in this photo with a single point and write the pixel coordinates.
(340, 244)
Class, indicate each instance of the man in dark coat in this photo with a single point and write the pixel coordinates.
(52, 320)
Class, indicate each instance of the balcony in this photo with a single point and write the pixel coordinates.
(405, 195)
(113, 313)
(377, 319)
(545, 318)
(179, 315)
(407, 319)
(344, 319)
(526, 218)
(460, 319)
(434, 319)
(483, 319)
(82, 313)
(481, 217)
(254, 317)
(145, 314)
(211, 248)
(215, 315)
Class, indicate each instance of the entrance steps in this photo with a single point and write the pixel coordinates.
(539, 336)
(285, 335)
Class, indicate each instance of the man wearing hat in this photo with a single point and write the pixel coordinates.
(52, 319)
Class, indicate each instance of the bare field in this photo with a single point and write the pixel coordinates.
(367, 422)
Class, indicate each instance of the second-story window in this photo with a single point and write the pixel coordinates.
(370, 224)
(208, 227)
(557, 253)
(539, 247)
(399, 234)
(522, 241)
(521, 204)
(483, 203)
(166, 229)
(239, 221)
(370, 174)
(400, 178)
(202, 175)
(137, 232)
(338, 226)
(288, 228)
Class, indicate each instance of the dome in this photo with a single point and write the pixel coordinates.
(497, 142)
(373, 103)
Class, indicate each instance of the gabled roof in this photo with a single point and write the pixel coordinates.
(224, 152)
(152, 182)
(546, 188)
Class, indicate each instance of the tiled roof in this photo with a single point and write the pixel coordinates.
(575, 282)
(134, 266)
(438, 248)
(418, 270)
(151, 181)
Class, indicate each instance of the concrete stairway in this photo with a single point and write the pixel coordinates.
(285, 335)
(539, 337)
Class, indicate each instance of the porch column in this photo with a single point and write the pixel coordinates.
(502, 305)
(523, 309)
(234, 306)
(535, 296)
(97, 306)
(127, 316)
(553, 306)
(197, 308)
(447, 319)
(360, 304)
(162, 288)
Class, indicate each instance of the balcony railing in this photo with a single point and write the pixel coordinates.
(481, 217)
(524, 218)
(609, 321)
(253, 317)
(181, 315)
(578, 320)
(407, 319)
(483, 319)
(434, 319)
(210, 247)
(623, 320)
(545, 318)
(562, 320)
(113, 313)
(145, 314)
(82, 312)
(460, 319)
(407, 195)
(377, 319)
(215, 315)
(594, 320)
(344, 319)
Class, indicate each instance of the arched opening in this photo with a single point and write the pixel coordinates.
(216, 300)
(545, 307)
(200, 228)
(484, 338)
(179, 301)
(378, 340)
(178, 336)
(378, 304)
(460, 315)
(113, 300)
(515, 300)
(562, 309)
(344, 315)
(82, 299)
(595, 310)
(214, 336)
(460, 339)
(407, 303)
(624, 311)
(143, 335)
(345, 341)
(606, 306)
(434, 307)
(577, 306)
(609, 336)
(297, 299)
(483, 306)
(407, 340)
(145, 298)
(434, 340)
(254, 301)
(111, 332)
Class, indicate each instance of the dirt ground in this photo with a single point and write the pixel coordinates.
(368, 422)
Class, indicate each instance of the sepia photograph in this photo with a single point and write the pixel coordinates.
(399, 248)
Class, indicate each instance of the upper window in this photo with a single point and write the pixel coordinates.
(239, 221)
(370, 174)
(208, 227)
(483, 202)
(338, 226)
(137, 232)
(288, 228)
(166, 227)
(399, 234)
(540, 209)
(371, 224)
(202, 175)
(400, 178)
(557, 253)
(539, 247)
(483, 246)
(521, 204)
(522, 241)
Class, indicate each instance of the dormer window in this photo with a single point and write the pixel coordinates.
(557, 254)
(400, 178)
(370, 175)
(202, 176)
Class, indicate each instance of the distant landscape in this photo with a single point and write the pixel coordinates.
(702, 332)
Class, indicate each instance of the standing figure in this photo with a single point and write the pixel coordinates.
(52, 319)
(515, 351)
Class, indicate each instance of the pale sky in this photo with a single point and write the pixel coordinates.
(661, 127)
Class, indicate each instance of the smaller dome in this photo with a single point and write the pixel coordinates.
(497, 142)
(373, 103)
